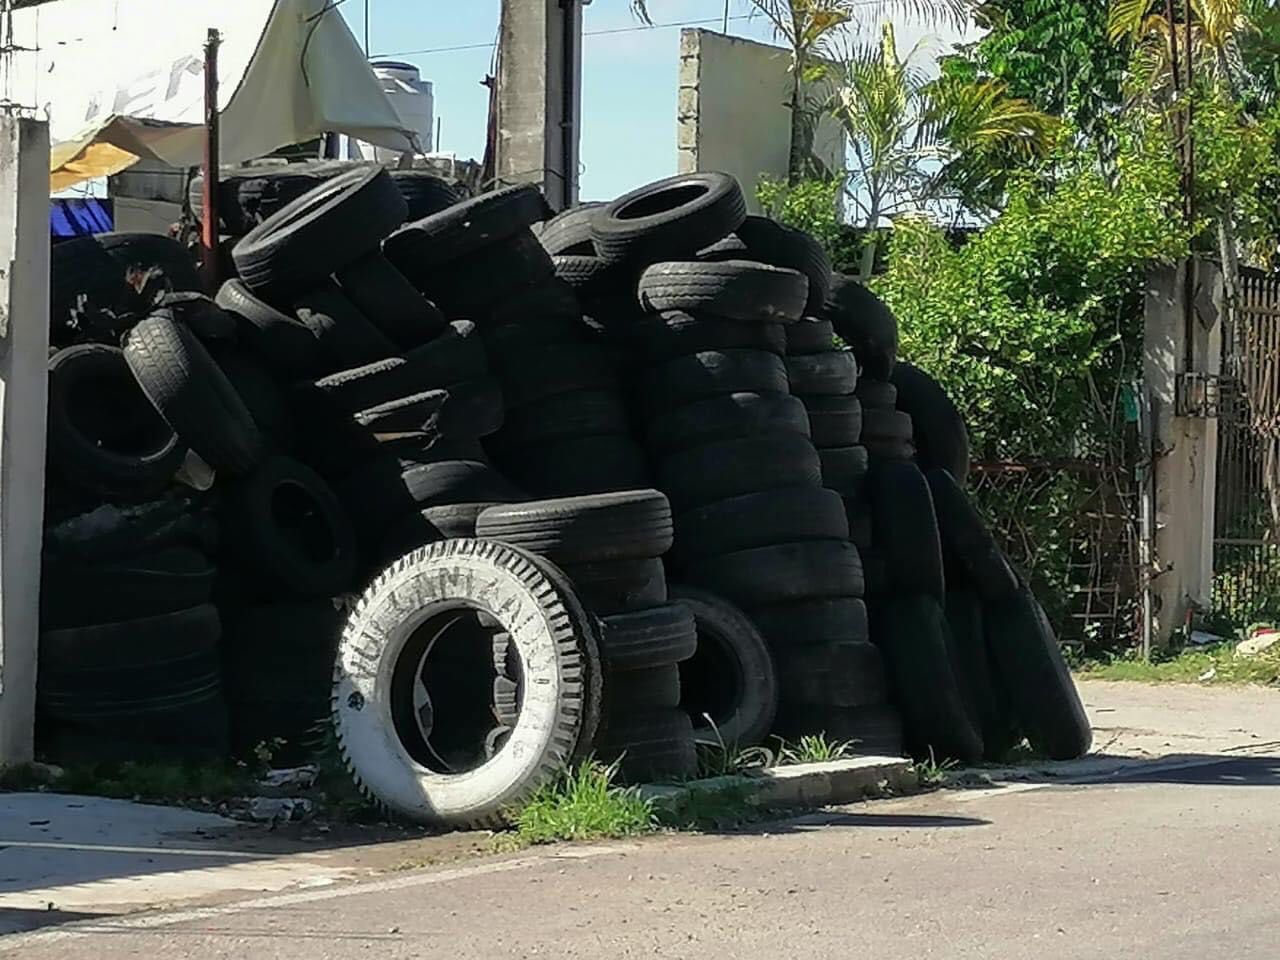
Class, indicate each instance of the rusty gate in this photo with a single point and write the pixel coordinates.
(1246, 550)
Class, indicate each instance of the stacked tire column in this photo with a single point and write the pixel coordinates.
(732, 450)
(825, 379)
(610, 547)
(566, 432)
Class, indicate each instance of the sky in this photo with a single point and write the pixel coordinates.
(629, 74)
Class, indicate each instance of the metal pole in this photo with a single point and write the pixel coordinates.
(725, 29)
(209, 233)
(366, 29)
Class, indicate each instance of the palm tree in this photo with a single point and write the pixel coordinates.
(1211, 39)
(918, 143)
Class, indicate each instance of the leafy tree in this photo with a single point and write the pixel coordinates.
(1053, 53)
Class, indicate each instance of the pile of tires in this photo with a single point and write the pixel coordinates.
(461, 458)
(566, 431)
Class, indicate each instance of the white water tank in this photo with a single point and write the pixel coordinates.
(413, 101)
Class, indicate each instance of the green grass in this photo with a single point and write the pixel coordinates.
(813, 748)
(720, 809)
(1218, 665)
(932, 774)
(583, 804)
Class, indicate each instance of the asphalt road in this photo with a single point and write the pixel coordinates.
(1167, 863)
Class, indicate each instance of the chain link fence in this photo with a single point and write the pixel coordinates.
(1072, 527)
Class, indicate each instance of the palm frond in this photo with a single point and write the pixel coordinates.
(1126, 19)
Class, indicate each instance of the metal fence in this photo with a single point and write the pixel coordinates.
(1246, 555)
(1071, 526)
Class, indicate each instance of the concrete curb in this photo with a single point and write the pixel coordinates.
(800, 785)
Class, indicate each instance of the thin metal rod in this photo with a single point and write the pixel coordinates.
(725, 28)
(366, 29)
(209, 232)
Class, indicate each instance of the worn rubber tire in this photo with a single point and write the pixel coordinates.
(938, 429)
(76, 593)
(104, 435)
(760, 576)
(906, 530)
(592, 278)
(867, 731)
(834, 373)
(569, 231)
(473, 285)
(446, 522)
(619, 586)
(464, 228)
(613, 526)
(464, 411)
(844, 470)
(728, 687)
(673, 333)
(456, 356)
(730, 468)
(900, 451)
(557, 651)
(392, 304)
(845, 674)
(652, 688)
(383, 491)
(321, 232)
(966, 539)
(833, 421)
(781, 515)
(876, 394)
(185, 385)
(554, 369)
(862, 320)
(987, 701)
(578, 413)
(911, 631)
(810, 336)
(652, 746)
(345, 335)
(710, 373)
(281, 341)
(893, 425)
(277, 670)
(812, 622)
(424, 193)
(1029, 668)
(774, 243)
(669, 219)
(727, 417)
(639, 639)
(733, 289)
(287, 525)
(577, 466)
(555, 298)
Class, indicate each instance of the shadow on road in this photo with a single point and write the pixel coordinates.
(1214, 771)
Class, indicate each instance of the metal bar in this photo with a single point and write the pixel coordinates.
(209, 233)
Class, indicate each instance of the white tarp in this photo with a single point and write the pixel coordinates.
(123, 80)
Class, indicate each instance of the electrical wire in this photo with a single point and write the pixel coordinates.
(587, 33)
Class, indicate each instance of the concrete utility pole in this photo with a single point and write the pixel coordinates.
(24, 355)
(539, 111)
(1184, 435)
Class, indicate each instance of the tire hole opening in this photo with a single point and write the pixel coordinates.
(663, 201)
(711, 680)
(442, 692)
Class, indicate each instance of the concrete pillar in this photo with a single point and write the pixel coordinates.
(539, 96)
(24, 357)
(1186, 462)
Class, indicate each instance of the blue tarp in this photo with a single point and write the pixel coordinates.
(81, 216)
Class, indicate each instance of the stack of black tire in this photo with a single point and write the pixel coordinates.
(247, 196)
(610, 547)
(566, 431)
